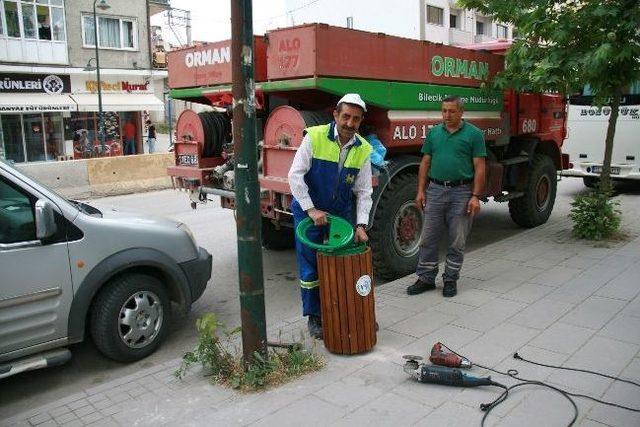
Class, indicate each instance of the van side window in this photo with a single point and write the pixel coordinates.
(17, 221)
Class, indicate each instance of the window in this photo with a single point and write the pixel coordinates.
(29, 21)
(43, 20)
(113, 33)
(12, 19)
(479, 28)
(453, 21)
(17, 222)
(435, 15)
(502, 31)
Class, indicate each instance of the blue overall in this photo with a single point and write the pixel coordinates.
(330, 189)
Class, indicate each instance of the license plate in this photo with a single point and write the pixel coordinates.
(615, 170)
(187, 159)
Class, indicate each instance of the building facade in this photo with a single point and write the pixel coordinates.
(438, 21)
(48, 78)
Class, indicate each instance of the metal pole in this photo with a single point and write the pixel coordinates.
(170, 122)
(248, 218)
(100, 113)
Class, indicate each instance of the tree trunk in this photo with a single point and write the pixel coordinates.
(605, 176)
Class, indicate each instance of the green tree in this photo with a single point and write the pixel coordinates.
(563, 45)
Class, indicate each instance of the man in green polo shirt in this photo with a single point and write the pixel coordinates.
(453, 165)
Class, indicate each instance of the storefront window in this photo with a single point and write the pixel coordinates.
(33, 137)
(29, 21)
(53, 135)
(12, 135)
(11, 17)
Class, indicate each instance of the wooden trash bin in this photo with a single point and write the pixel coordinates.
(347, 300)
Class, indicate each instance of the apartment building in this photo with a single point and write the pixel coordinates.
(48, 77)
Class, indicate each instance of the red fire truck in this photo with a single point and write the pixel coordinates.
(302, 71)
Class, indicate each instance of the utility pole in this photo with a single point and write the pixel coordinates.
(248, 218)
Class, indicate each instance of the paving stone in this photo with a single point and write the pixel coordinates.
(599, 354)
(473, 297)
(40, 418)
(591, 423)
(74, 423)
(416, 303)
(349, 394)
(562, 338)
(594, 312)
(61, 410)
(624, 287)
(388, 409)
(498, 286)
(85, 410)
(65, 418)
(577, 262)
(389, 344)
(542, 313)
(489, 315)
(91, 418)
(528, 293)
(423, 323)
(48, 423)
(453, 308)
(452, 336)
(387, 315)
(492, 269)
(503, 339)
(623, 328)
(556, 276)
(622, 394)
(633, 308)
(531, 371)
(432, 395)
(454, 414)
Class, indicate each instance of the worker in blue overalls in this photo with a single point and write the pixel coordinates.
(330, 173)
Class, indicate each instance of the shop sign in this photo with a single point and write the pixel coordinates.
(38, 108)
(53, 84)
(121, 86)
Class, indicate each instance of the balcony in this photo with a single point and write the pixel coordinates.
(158, 6)
(482, 38)
(458, 37)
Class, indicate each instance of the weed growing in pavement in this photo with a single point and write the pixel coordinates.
(595, 215)
(224, 363)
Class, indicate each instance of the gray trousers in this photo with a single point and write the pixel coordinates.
(446, 209)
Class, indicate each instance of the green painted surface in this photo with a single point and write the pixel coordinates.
(384, 94)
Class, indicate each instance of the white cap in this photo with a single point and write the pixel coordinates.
(353, 98)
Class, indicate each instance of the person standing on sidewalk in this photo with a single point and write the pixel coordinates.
(453, 164)
(330, 173)
(151, 136)
(129, 131)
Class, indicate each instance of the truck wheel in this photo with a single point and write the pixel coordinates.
(276, 240)
(590, 181)
(536, 205)
(397, 225)
(130, 317)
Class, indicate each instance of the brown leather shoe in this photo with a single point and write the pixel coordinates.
(420, 286)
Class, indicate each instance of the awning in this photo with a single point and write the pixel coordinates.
(35, 103)
(118, 102)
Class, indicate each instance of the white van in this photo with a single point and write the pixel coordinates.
(586, 132)
(67, 268)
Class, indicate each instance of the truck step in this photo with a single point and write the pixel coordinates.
(514, 160)
(509, 196)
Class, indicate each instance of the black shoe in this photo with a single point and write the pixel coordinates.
(449, 289)
(314, 324)
(420, 286)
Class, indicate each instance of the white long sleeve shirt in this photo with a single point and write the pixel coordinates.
(361, 187)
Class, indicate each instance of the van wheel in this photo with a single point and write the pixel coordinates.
(130, 317)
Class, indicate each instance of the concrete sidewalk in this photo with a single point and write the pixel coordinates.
(541, 293)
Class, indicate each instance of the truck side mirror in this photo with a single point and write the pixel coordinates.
(45, 220)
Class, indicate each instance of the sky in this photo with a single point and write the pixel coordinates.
(211, 19)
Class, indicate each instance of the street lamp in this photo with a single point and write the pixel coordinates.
(102, 6)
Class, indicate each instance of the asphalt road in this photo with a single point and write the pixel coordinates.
(214, 229)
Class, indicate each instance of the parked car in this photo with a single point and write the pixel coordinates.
(67, 268)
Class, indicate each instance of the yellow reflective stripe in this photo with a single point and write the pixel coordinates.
(358, 154)
(309, 285)
(322, 147)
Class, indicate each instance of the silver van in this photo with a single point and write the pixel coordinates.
(67, 268)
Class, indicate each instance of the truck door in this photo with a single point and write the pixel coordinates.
(35, 279)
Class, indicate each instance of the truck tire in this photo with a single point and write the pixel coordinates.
(590, 181)
(395, 235)
(536, 205)
(130, 317)
(277, 240)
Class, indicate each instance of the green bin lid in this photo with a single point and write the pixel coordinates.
(340, 234)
